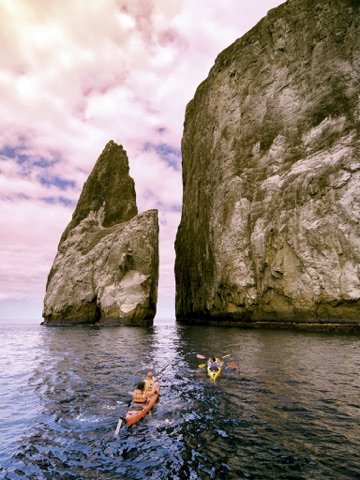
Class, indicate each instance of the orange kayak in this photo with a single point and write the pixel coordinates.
(138, 410)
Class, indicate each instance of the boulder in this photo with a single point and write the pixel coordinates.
(270, 224)
(106, 268)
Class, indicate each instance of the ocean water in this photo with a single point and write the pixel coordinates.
(291, 410)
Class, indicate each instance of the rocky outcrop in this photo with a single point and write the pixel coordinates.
(106, 268)
(270, 226)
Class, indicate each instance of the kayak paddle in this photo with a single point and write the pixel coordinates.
(157, 374)
(229, 364)
(232, 365)
(202, 356)
(118, 426)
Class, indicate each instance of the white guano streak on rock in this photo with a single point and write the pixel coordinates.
(125, 296)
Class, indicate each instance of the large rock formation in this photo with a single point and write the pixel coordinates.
(271, 174)
(106, 267)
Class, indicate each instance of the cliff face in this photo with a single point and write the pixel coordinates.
(106, 267)
(270, 224)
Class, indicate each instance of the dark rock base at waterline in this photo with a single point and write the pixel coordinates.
(313, 327)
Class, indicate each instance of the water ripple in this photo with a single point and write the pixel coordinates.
(290, 411)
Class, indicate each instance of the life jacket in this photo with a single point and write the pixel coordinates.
(149, 387)
(139, 396)
(213, 366)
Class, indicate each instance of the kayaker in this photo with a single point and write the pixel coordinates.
(214, 363)
(149, 384)
(139, 393)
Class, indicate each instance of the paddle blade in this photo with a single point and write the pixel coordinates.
(232, 365)
(202, 365)
(118, 427)
(200, 356)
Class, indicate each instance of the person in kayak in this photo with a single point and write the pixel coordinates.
(149, 384)
(139, 393)
(214, 363)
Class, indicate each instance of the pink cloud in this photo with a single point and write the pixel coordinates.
(72, 78)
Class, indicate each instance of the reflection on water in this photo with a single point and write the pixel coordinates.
(291, 409)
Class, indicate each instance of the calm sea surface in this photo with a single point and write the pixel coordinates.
(290, 411)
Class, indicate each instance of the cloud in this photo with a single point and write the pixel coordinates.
(74, 77)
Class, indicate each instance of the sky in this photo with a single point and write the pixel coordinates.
(75, 74)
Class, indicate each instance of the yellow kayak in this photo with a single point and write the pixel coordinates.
(214, 365)
(213, 374)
